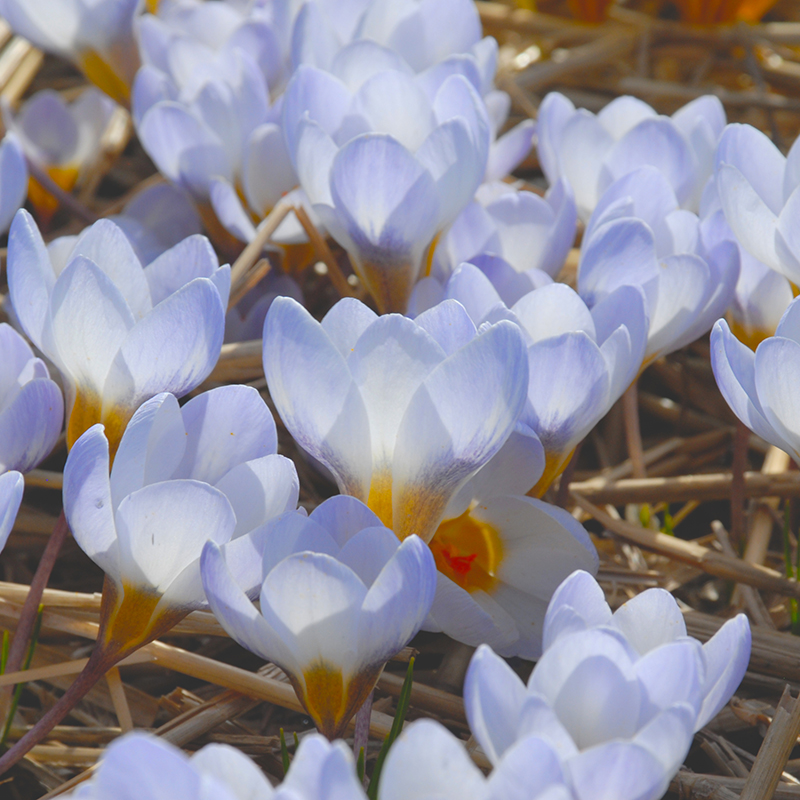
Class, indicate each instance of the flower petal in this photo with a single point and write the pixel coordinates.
(302, 366)
(11, 487)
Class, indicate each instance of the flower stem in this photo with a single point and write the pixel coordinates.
(30, 608)
(361, 735)
(99, 663)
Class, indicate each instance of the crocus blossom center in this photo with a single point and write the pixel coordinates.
(330, 700)
(64, 177)
(88, 411)
(469, 552)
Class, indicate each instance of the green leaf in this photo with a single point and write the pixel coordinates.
(360, 765)
(285, 754)
(37, 626)
(403, 702)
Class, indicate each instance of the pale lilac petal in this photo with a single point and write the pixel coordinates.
(343, 517)
(161, 530)
(259, 490)
(236, 613)
(727, 655)
(87, 500)
(578, 603)
(90, 321)
(105, 245)
(493, 697)
(734, 370)
(191, 258)
(749, 217)
(229, 210)
(14, 188)
(428, 761)
(649, 620)
(397, 602)
(442, 439)
(617, 770)
(302, 365)
(776, 364)
(225, 427)
(172, 349)
(30, 276)
(12, 485)
(509, 150)
(449, 324)
(30, 425)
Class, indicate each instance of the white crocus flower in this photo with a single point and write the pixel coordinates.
(401, 411)
(341, 595)
(96, 35)
(118, 333)
(181, 477)
(63, 139)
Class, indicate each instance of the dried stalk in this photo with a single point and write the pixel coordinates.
(774, 752)
(688, 552)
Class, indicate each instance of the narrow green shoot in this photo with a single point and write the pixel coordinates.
(285, 754)
(403, 702)
(37, 626)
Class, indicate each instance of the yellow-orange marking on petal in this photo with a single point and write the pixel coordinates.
(468, 551)
(103, 76)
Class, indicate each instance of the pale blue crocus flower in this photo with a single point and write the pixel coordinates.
(429, 761)
(340, 596)
(618, 721)
(761, 387)
(319, 771)
(580, 361)
(402, 412)
(181, 477)
(758, 189)
(526, 231)
(95, 35)
(638, 236)
(117, 332)
(386, 159)
(63, 139)
(592, 151)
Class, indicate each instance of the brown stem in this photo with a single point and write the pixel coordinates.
(30, 607)
(99, 663)
(633, 433)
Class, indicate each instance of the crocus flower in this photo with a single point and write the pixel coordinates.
(758, 188)
(386, 159)
(217, 137)
(638, 236)
(761, 387)
(140, 765)
(525, 230)
(423, 32)
(13, 179)
(96, 35)
(183, 35)
(31, 406)
(649, 621)
(61, 138)
(580, 361)
(762, 295)
(118, 333)
(592, 152)
(11, 488)
(337, 602)
(428, 761)
(621, 724)
(182, 476)
(401, 412)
